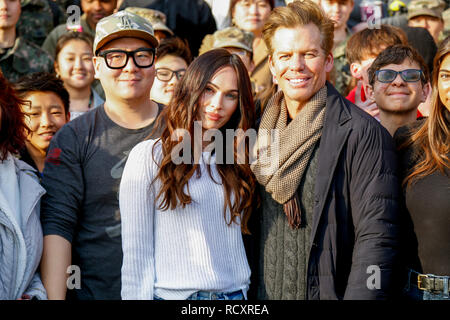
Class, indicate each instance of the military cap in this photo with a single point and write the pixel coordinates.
(431, 8)
(123, 24)
(156, 18)
(446, 18)
(233, 37)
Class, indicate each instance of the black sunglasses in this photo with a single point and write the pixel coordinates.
(117, 59)
(408, 75)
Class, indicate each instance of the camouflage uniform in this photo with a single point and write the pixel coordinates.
(49, 44)
(24, 58)
(37, 20)
(340, 75)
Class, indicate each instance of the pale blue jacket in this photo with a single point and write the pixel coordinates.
(21, 247)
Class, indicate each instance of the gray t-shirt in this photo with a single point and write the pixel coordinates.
(82, 175)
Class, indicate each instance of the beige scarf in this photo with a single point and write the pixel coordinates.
(292, 154)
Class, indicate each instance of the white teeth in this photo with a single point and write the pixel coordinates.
(295, 81)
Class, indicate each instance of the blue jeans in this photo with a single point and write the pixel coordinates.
(413, 292)
(207, 295)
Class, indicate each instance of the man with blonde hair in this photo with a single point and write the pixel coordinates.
(328, 226)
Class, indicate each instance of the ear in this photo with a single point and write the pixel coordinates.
(426, 90)
(355, 70)
(68, 117)
(56, 67)
(272, 67)
(370, 94)
(329, 62)
(96, 61)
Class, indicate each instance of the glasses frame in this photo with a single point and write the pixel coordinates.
(128, 53)
(172, 72)
(402, 75)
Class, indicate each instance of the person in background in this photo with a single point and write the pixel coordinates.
(189, 20)
(156, 18)
(424, 150)
(93, 11)
(339, 11)
(183, 222)
(39, 18)
(18, 56)
(362, 49)
(235, 40)
(73, 65)
(80, 212)
(172, 59)
(398, 80)
(427, 14)
(20, 194)
(46, 110)
(250, 16)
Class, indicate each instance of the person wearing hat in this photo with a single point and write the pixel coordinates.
(80, 215)
(156, 18)
(427, 14)
(233, 39)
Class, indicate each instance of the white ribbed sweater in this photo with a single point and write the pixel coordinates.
(175, 253)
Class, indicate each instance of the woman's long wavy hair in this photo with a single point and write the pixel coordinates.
(433, 137)
(183, 109)
(13, 130)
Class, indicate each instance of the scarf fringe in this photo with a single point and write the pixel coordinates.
(293, 212)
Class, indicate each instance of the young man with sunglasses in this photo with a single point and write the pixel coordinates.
(398, 78)
(80, 213)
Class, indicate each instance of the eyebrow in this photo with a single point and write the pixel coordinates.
(212, 84)
(444, 70)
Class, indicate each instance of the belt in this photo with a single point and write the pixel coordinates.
(429, 282)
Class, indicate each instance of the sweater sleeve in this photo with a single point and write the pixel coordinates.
(137, 208)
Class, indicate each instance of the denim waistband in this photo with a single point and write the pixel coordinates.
(208, 295)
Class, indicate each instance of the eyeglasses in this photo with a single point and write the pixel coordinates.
(117, 59)
(165, 74)
(408, 75)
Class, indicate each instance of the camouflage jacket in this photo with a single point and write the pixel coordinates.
(38, 19)
(340, 75)
(49, 44)
(24, 58)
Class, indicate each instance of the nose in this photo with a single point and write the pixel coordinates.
(253, 8)
(3, 4)
(97, 5)
(216, 101)
(398, 80)
(78, 64)
(46, 120)
(297, 62)
(130, 66)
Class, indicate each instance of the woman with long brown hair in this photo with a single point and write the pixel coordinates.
(20, 193)
(185, 199)
(425, 162)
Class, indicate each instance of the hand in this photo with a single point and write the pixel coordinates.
(360, 26)
(369, 105)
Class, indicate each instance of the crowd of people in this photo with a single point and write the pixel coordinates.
(177, 151)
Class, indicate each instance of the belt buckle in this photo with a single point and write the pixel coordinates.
(420, 278)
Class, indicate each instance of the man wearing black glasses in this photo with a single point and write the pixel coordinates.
(398, 84)
(80, 214)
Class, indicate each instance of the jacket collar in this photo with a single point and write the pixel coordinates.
(28, 186)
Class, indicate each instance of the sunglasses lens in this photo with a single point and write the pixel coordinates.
(386, 75)
(411, 75)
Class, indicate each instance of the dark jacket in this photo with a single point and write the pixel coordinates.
(355, 220)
